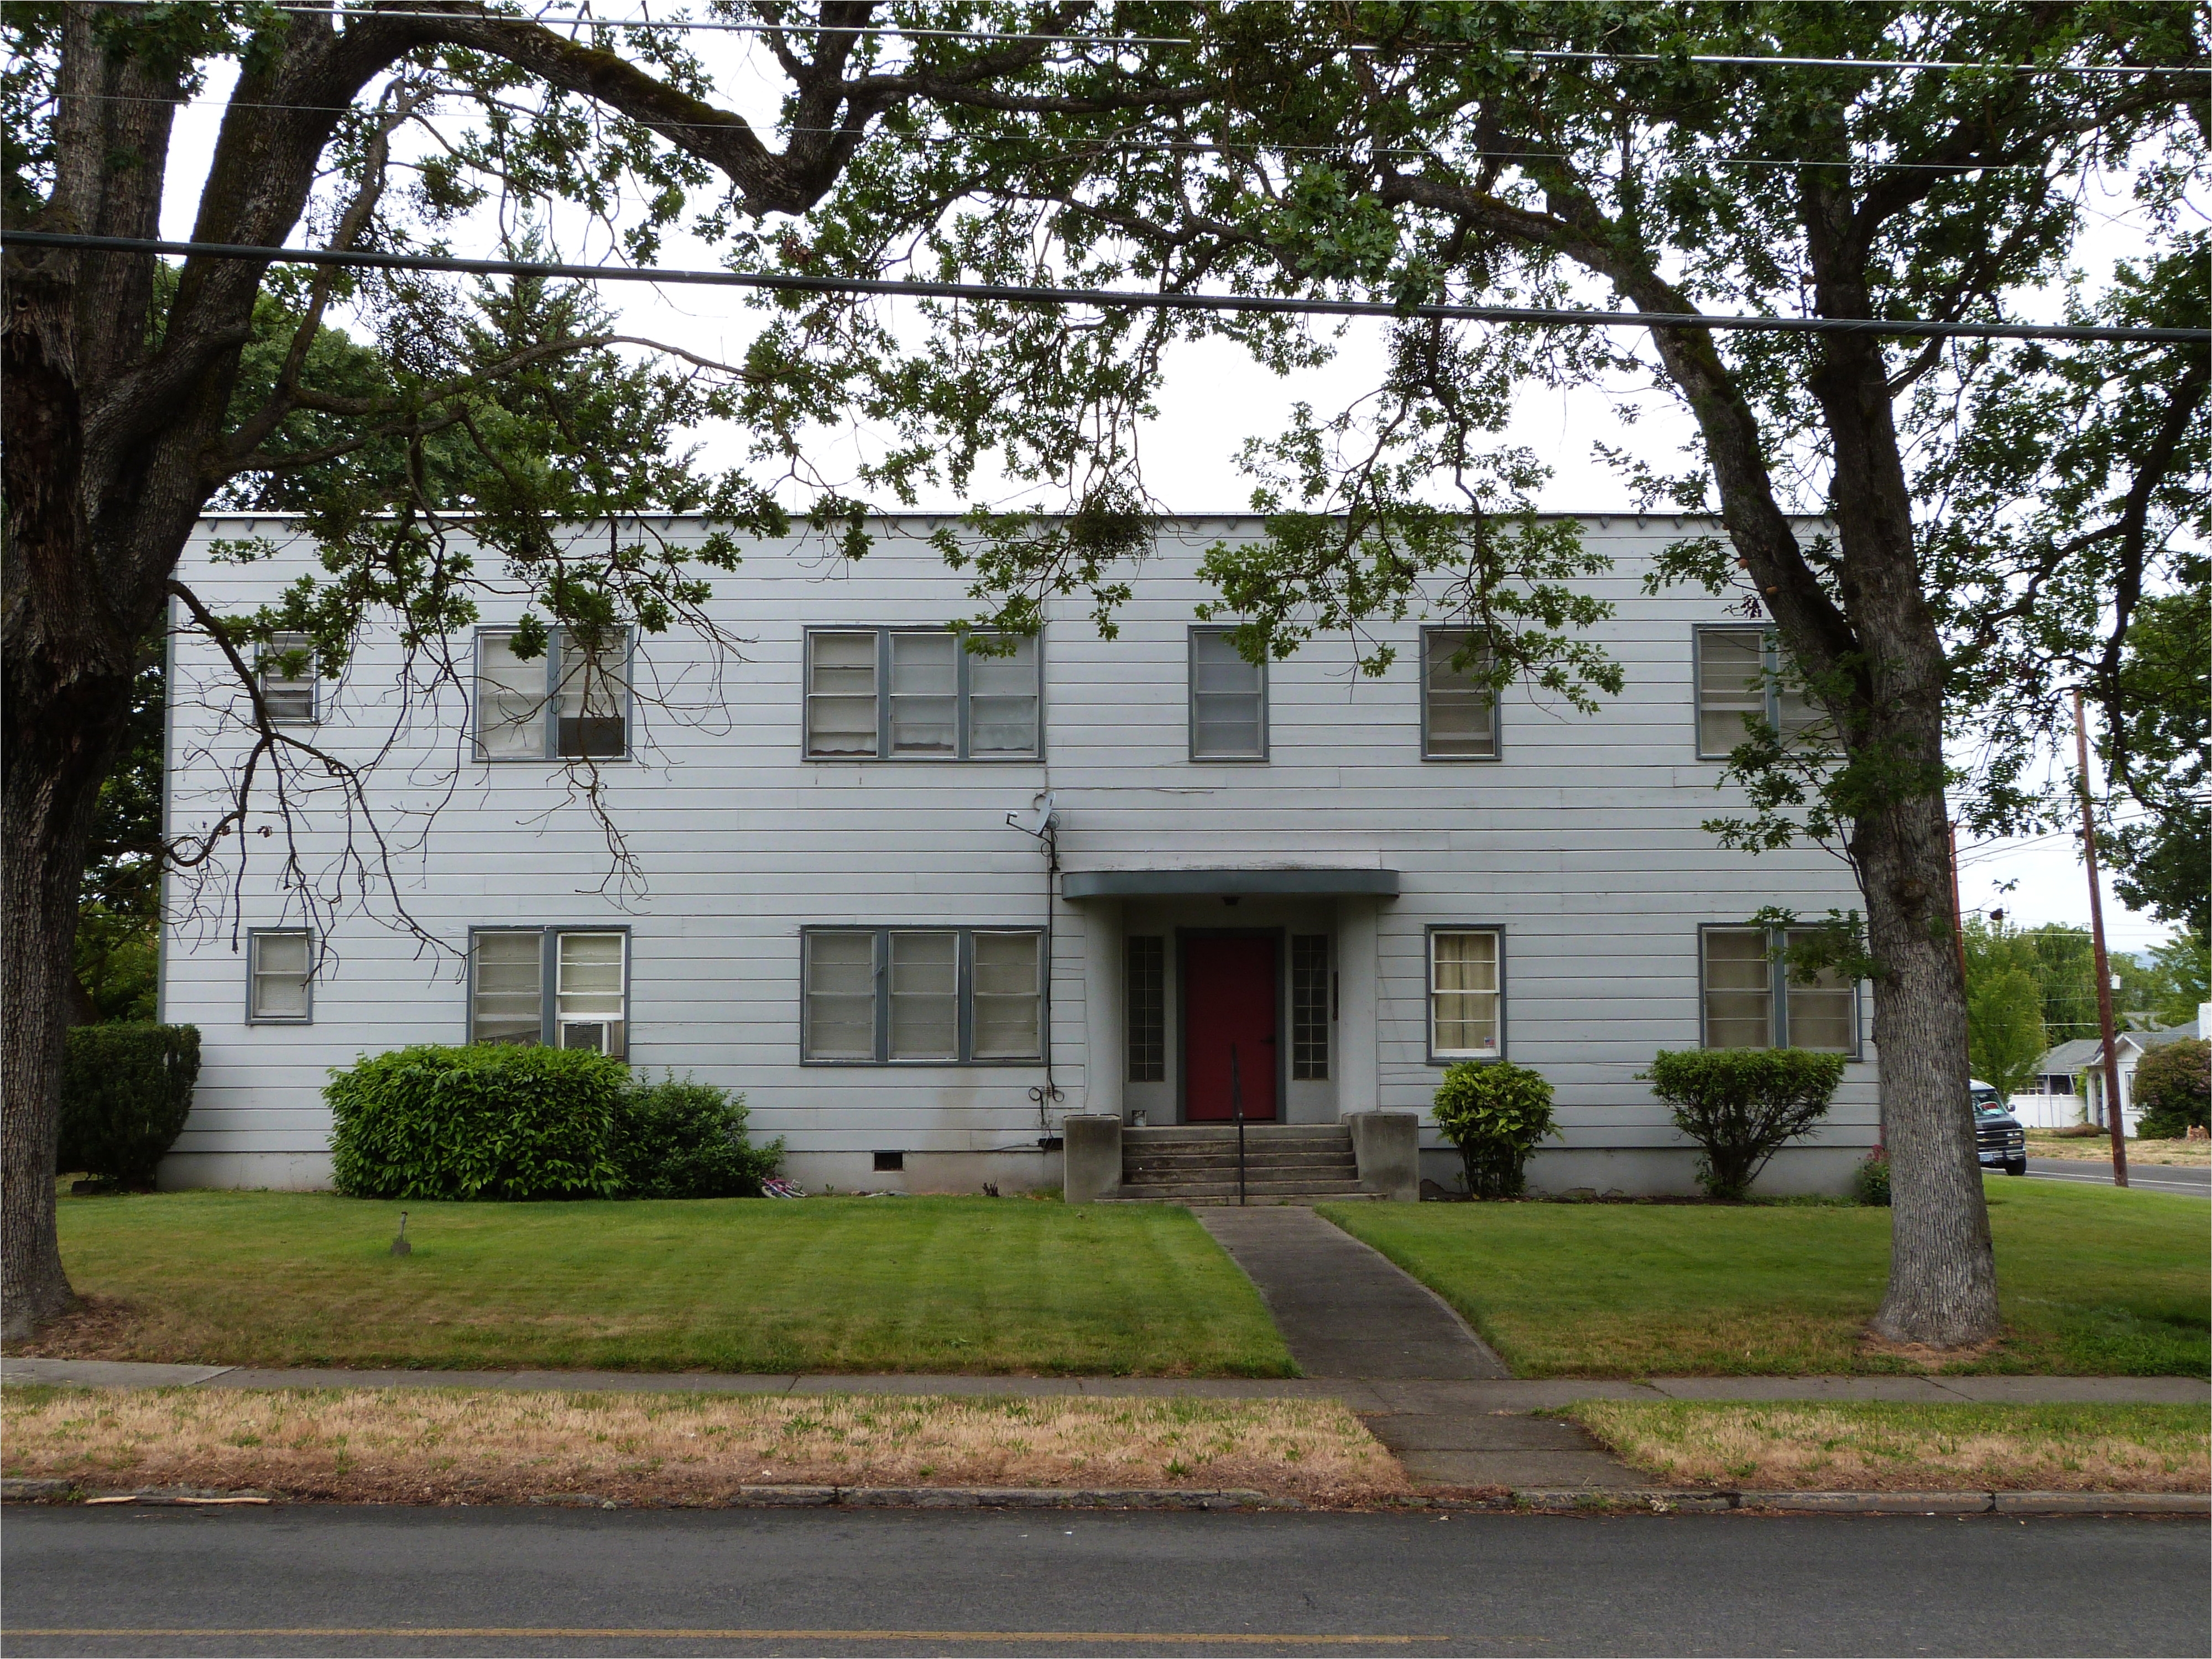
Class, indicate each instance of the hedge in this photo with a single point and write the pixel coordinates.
(126, 1090)
(685, 1139)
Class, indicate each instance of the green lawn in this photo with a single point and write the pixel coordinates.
(2093, 1281)
(839, 1285)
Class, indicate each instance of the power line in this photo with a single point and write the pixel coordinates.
(1515, 55)
(1115, 299)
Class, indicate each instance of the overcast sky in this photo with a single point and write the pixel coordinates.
(1215, 398)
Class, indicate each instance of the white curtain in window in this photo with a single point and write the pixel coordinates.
(1821, 1008)
(925, 694)
(1007, 998)
(841, 694)
(1002, 702)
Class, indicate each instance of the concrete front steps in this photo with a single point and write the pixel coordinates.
(1196, 1164)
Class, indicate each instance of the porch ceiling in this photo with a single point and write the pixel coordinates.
(1304, 881)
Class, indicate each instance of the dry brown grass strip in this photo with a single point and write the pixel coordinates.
(2083, 1149)
(1882, 1446)
(442, 1445)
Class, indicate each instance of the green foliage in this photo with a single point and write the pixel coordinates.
(126, 1090)
(2157, 740)
(1743, 1105)
(118, 898)
(1495, 1113)
(2004, 1028)
(487, 1120)
(1870, 1180)
(686, 1140)
(118, 964)
(2174, 1089)
(2165, 989)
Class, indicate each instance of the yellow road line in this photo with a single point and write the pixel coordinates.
(641, 1633)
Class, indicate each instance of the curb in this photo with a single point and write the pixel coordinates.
(16, 1491)
(1664, 1501)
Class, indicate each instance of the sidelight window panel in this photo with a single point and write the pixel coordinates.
(1309, 1007)
(1146, 998)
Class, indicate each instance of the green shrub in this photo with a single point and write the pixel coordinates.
(487, 1121)
(1494, 1114)
(2174, 1089)
(1742, 1105)
(126, 1090)
(686, 1140)
(1871, 1182)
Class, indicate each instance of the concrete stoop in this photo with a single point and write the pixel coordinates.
(1197, 1164)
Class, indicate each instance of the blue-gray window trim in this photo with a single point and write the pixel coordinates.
(254, 937)
(549, 972)
(1428, 992)
(1190, 704)
(964, 991)
(1777, 990)
(883, 631)
(550, 753)
(1496, 726)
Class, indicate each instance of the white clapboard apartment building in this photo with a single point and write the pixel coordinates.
(1304, 886)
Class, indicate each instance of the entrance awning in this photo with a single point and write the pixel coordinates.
(1300, 881)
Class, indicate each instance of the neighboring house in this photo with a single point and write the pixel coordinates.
(1324, 885)
(2072, 1077)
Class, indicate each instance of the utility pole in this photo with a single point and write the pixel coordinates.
(2113, 1115)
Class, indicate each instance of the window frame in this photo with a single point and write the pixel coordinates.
(964, 983)
(254, 937)
(1324, 1013)
(548, 975)
(1265, 753)
(963, 717)
(262, 669)
(1770, 664)
(550, 717)
(1436, 1056)
(1497, 734)
(1777, 990)
(1154, 1040)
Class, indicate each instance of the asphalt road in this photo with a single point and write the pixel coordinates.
(2194, 1180)
(346, 1581)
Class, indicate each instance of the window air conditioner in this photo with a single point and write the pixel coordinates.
(600, 1037)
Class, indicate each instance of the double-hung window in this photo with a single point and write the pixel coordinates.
(280, 976)
(287, 680)
(567, 988)
(571, 703)
(1741, 677)
(1458, 712)
(919, 694)
(1466, 994)
(919, 996)
(1753, 999)
(1228, 700)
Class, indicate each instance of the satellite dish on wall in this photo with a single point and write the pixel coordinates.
(1037, 820)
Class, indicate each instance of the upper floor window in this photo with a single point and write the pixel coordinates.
(1459, 714)
(1753, 1002)
(280, 976)
(572, 703)
(587, 969)
(1465, 997)
(1740, 676)
(918, 694)
(945, 994)
(1228, 700)
(287, 680)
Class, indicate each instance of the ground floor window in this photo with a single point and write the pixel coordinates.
(1465, 995)
(949, 995)
(565, 987)
(1752, 1002)
(280, 976)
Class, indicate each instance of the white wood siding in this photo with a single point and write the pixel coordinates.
(1582, 842)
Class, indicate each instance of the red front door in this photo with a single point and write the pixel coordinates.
(1228, 1026)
